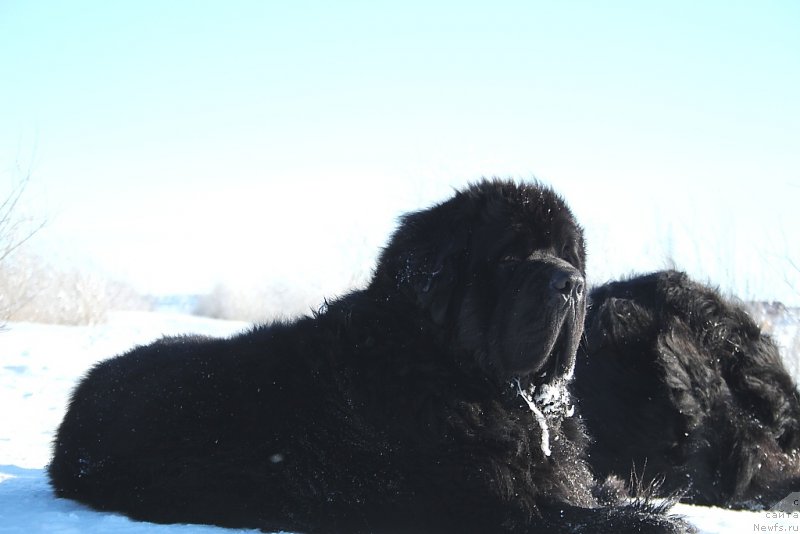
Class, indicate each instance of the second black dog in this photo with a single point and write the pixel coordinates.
(678, 383)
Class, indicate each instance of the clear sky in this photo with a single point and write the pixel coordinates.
(177, 144)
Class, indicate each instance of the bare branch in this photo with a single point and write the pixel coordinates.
(15, 230)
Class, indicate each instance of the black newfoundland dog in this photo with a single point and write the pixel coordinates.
(676, 382)
(433, 401)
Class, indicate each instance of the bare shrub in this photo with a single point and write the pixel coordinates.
(15, 228)
(277, 301)
(33, 291)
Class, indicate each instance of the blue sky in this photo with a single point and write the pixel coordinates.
(178, 144)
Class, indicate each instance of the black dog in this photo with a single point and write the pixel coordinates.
(433, 401)
(678, 383)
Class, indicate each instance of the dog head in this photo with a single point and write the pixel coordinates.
(500, 269)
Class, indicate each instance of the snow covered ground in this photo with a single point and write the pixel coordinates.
(39, 365)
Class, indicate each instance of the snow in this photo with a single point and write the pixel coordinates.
(28, 506)
(527, 396)
(40, 364)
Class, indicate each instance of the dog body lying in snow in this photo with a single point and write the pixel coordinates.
(432, 401)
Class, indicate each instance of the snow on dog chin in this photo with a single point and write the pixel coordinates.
(552, 400)
(39, 365)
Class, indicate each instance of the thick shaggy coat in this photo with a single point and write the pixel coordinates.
(678, 383)
(433, 401)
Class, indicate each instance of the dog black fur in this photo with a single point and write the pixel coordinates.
(433, 401)
(676, 382)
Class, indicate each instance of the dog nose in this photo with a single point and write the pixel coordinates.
(567, 283)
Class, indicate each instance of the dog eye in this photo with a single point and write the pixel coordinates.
(567, 252)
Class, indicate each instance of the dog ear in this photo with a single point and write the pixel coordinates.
(424, 258)
(434, 280)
